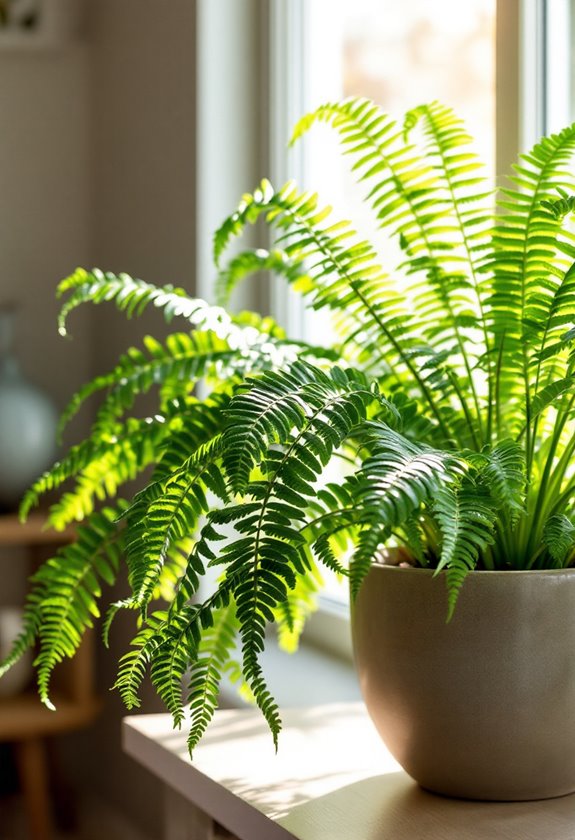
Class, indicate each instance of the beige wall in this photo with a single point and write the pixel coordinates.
(142, 132)
(97, 168)
(45, 204)
(97, 164)
(45, 207)
(142, 76)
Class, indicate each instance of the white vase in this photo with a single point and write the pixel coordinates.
(27, 422)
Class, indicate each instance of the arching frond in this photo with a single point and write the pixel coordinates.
(369, 543)
(250, 262)
(448, 404)
(172, 515)
(527, 260)
(559, 538)
(214, 652)
(399, 475)
(69, 589)
(345, 277)
(403, 181)
(504, 474)
(133, 296)
(276, 403)
(134, 664)
(466, 517)
(177, 366)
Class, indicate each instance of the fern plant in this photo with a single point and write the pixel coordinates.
(448, 397)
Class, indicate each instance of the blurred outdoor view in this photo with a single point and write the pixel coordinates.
(407, 57)
(420, 51)
(400, 54)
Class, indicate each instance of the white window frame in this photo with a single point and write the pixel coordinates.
(228, 104)
(556, 58)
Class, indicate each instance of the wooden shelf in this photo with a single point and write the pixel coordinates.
(31, 533)
(24, 720)
(24, 715)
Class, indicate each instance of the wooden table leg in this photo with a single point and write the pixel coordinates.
(183, 821)
(32, 768)
(62, 796)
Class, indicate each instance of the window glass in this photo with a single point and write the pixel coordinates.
(400, 55)
(403, 54)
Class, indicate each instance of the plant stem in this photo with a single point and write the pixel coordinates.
(550, 478)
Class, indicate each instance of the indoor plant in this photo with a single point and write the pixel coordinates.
(449, 397)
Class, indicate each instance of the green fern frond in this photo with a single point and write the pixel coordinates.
(466, 517)
(214, 651)
(127, 453)
(421, 203)
(413, 537)
(261, 694)
(551, 327)
(459, 172)
(177, 649)
(171, 517)
(133, 296)
(265, 559)
(323, 549)
(103, 462)
(250, 262)
(177, 366)
(369, 543)
(559, 538)
(527, 261)
(130, 295)
(504, 474)
(404, 181)
(551, 395)
(70, 587)
(560, 207)
(345, 276)
(31, 624)
(278, 402)
(461, 290)
(134, 665)
(399, 475)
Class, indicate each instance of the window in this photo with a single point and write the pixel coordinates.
(504, 65)
(398, 54)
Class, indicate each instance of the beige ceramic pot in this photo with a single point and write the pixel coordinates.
(482, 707)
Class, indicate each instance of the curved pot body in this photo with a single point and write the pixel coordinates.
(482, 707)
